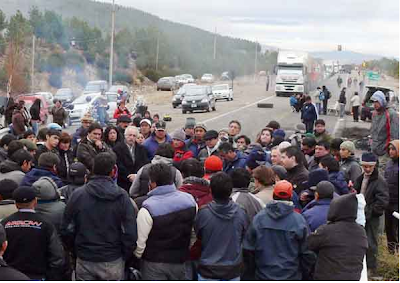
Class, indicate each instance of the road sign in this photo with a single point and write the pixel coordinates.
(373, 76)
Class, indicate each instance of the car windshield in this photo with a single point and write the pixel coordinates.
(220, 87)
(193, 91)
(94, 87)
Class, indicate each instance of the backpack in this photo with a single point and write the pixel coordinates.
(321, 96)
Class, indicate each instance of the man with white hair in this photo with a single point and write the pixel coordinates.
(131, 156)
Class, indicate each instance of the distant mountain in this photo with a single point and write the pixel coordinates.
(345, 57)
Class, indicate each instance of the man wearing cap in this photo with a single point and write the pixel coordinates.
(316, 212)
(159, 136)
(77, 178)
(232, 158)
(52, 140)
(212, 144)
(278, 228)
(322, 149)
(376, 193)
(180, 147)
(30, 146)
(7, 204)
(123, 122)
(348, 162)
(131, 156)
(257, 157)
(86, 121)
(384, 128)
(145, 128)
(212, 165)
(33, 244)
(7, 273)
(15, 167)
(196, 143)
(189, 127)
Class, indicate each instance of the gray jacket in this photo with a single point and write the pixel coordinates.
(11, 170)
(351, 169)
(379, 132)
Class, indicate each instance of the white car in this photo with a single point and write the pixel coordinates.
(222, 91)
(207, 78)
(85, 104)
(189, 78)
(48, 96)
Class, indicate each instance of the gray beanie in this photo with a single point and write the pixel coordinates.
(325, 189)
(46, 189)
(178, 134)
(349, 145)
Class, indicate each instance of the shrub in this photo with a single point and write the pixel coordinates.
(55, 80)
(122, 76)
(90, 57)
(74, 61)
(388, 264)
(81, 79)
(152, 75)
(55, 62)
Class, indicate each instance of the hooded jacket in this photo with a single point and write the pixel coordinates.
(238, 162)
(338, 180)
(376, 195)
(37, 173)
(59, 115)
(316, 213)
(276, 244)
(49, 205)
(195, 146)
(11, 170)
(99, 222)
(221, 228)
(248, 201)
(151, 144)
(333, 241)
(392, 178)
(351, 168)
(308, 112)
(140, 186)
(379, 126)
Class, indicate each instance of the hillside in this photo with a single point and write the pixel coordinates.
(346, 57)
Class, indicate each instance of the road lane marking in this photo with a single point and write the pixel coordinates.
(236, 110)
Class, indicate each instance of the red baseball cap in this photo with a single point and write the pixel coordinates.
(213, 163)
(283, 190)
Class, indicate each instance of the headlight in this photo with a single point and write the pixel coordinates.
(184, 102)
(204, 100)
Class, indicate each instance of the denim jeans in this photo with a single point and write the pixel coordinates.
(162, 271)
(319, 108)
(35, 126)
(201, 278)
(342, 109)
(88, 271)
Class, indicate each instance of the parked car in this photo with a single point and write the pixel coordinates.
(124, 89)
(368, 105)
(48, 96)
(178, 96)
(95, 86)
(65, 95)
(225, 76)
(85, 104)
(44, 106)
(207, 78)
(166, 83)
(222, 91)
(189, 78)
(198, 98)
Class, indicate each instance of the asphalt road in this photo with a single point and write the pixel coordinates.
(243, 108)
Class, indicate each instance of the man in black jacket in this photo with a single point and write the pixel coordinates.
(100, 224)
(292, 161)
(333, 241)
(376, 193)
(131, 156)
(33, 244)
(7, 273)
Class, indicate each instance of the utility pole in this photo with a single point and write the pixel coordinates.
(158, 51)
(110, 73)
(215, 44)
(33, 64)
(255, 63)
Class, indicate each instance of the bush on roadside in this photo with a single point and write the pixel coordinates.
(388, 264)
(122, 76)
(55, 80)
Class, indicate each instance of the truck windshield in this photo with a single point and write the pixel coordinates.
(289, 71)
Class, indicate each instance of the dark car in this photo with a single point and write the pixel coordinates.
(368, 106)
(179, 95)
(166, 83)
(65, 95)
(198, 98)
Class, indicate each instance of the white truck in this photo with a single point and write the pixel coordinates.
(293, 73)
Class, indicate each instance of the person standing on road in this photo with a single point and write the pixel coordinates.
(196, 143)
(212, 144)
(35, 114)
(86, 121)
(308, 115)
(392, 178)
(59, 113)
(355, 102)
(320, 133)
(145, 128)
(234, 130)
(384, 128)
(292, 159)
(327, 96)
(318, 97)
(232, 158)
(159, 136)
(342, 103)
(376, 193)
(348, 162)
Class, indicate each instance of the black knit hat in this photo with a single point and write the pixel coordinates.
(368, 158)
(24, 194)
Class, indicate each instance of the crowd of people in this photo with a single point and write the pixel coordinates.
(137, 201)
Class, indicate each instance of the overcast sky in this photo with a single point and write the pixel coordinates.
(370, 27)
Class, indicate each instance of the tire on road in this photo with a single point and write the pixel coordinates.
(265, 105)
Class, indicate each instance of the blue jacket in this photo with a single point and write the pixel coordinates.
(316, 213)
(238, 162)
(221, 228)
(36, 173)
(277, 240)
(151, 145)
(195, 147)
(339, 181)
(308, 112)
